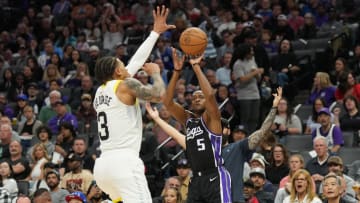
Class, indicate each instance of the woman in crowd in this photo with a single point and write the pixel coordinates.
(322, 88)
(51, 73)
(6, 178)
(350, 121)
(333, 189)
(278, 167)
(347, 86)
(286, 122)
(222, 94)
(75, 60)
(340, 67)
(35, 68)
(39, 157)
(172, 195)
(303, 189)
(73, 80)
(43, 135)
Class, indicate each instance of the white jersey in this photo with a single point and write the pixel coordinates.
(119, 125)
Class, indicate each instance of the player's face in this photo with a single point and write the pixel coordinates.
(198, 102)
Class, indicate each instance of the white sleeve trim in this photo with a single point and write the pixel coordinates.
(142, 53)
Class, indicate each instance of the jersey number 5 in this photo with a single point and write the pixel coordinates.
(200, 144)
(103, 131)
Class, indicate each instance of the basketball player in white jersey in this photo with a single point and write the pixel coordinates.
(119, 171)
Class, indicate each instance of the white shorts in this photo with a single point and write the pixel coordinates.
(121, 174)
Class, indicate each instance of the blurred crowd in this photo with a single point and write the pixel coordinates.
(48, 126)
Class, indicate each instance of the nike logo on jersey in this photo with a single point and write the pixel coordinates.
(191, 133)
(212, 179)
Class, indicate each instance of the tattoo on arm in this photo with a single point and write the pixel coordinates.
(255, 138)
(143, 92)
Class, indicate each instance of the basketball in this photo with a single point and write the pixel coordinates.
(193, 41)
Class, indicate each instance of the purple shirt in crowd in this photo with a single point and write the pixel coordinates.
(328, 94)
(55, 122)
(337, 137)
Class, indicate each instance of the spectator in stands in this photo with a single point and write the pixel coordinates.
(340, 68)
(73, 79)
(65, 139)
(27, 128)
(246, 74)
(285, 64)
(328, 130)
(283, 30)
(66, 37)
(87, 86)
(43, 135)
(51, 73)
(39, 157)
(121, 53)
(77, 179)
(347, 86)
(221, 95)
(22, 199)
(5, 138)
(249, 192)
(309, 29)
(271, 23)
(333, 188)
(21, 102)
(172, 182)
(211, 77)
(350, 121)
(53, 181)
(266, 42)
(42, 195)
(75, 59)
(81, 12)
(35, 97)
(296, 162)
(286, 123)
(354, 62)
(7, 80)
(223, 74)
(302, 188)
(96, 195)
(172, 195)
(41, 182)
(258, 177)
(76, 197)
(6, 178)
(35, 68)
(111, 27)
(317, 166)
(333, 25)
(80, 148)
(183, 170)
(86, 116)
(17, 88)
(258, 161)
(278, 167)
(49, 49)
(18, 162)
(296, 21)
(336, 166)
(322, 88)
(354, 171)
(313, 122)
(228, 45)
(62, 116)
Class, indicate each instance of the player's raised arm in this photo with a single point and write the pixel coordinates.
(212, 112)
(171, 131)
(174, 108)
(160, 15)
(153, 93)
(255, 137)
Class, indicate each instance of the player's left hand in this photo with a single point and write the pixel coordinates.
(153, 112)
(160, 15)
(196, 60)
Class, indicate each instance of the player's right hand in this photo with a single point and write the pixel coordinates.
(160, 15)
(151, 68)
(153, 112)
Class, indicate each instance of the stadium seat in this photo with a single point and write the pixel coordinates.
(23, 187)
(299, 143)
(320, 43)
(298, 45)
(303, 112)
(348, 138)
(349, 154)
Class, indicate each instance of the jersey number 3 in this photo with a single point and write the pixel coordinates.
(104, 130)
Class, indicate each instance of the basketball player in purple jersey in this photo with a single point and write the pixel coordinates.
(211, 181)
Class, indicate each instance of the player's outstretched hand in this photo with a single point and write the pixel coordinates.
(153, 112)
(277, 96)
(196, 60)
(160, 15)
(177, 60)
(151, 68)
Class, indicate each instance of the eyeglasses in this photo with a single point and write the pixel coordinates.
(300, 179)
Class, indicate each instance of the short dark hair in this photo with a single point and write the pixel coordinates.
(39, 192)
(41, 128)
(104, 69)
